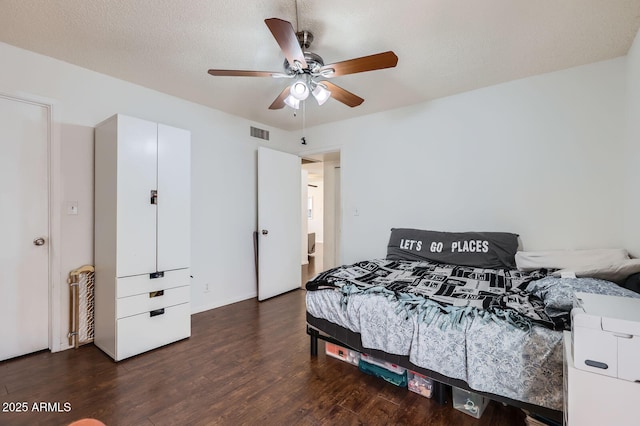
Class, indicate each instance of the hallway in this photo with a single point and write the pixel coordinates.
(314, 266)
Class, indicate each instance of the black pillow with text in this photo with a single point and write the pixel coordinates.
(493, 250)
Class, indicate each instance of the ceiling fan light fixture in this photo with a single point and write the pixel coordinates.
(292, 102)
(300, 90)
(321, 93)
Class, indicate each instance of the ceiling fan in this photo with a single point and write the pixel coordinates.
(309, 71)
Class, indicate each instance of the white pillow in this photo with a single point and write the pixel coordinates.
(616, 272)
(570, 260)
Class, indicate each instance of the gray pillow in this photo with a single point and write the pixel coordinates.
(558, 293)
(492, 250)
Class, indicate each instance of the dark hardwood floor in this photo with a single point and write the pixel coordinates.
(315, 265)
(245, 364)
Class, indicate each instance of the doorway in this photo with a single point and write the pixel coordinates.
(322, 213)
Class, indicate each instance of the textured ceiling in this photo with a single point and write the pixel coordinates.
(444, 46)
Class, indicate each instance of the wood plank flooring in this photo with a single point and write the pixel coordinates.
(245, 364)
(315, 265)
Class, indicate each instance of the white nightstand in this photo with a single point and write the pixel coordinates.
(594, 399)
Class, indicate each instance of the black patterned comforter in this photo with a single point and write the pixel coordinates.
(423, 288)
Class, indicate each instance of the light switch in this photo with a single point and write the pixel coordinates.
(72, 207)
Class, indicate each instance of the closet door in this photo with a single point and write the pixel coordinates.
(174, 198)
(24, 218)
(136, 223)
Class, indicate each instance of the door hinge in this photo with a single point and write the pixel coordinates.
(154, 196)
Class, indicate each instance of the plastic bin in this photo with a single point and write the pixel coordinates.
(419, 383)
(344, 354)
(384, 364)
(468, 402)
(383, 373)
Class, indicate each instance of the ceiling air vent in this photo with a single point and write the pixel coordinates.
(259, 133)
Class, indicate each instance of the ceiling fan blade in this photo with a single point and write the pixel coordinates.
(241, 73)
(366, 63)
(342, 95)
(279, 102)
(287, 40)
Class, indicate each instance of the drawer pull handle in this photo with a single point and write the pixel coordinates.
(596, 364)
(156, 312)
(156, 293)
(156, 275)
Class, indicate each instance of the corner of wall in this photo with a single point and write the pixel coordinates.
(631, 203)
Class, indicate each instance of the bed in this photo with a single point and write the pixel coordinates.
(457, 308)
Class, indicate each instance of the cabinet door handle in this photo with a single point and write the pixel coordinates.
(154, 275)
(596, 364)
(154, 196)
(158, 293)
(156, 312)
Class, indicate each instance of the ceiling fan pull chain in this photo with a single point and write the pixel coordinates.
(304, 120)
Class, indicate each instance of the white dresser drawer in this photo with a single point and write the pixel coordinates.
(138, 284)
(145, 302)
(149, 330)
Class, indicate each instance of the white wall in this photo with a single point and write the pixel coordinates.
(539, 157)
(223, 171)
(631, 200)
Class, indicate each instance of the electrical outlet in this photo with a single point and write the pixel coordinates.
(206, 288)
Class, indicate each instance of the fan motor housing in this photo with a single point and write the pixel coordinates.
(314, 62)
(305, 38)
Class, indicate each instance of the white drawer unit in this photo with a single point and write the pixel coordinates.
(592, 399)
(151, 301)
(142, 229)
(138, 284)
(149, 330)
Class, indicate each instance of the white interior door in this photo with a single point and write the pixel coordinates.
(337, 236)
(24, 228)
(304, 222)
(279, 257)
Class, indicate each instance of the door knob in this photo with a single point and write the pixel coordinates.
(38, 241)
(265, 232)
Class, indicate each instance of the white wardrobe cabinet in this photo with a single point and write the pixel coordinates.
(142, 235)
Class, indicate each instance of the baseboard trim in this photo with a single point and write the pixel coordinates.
(220, 303)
